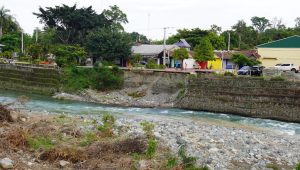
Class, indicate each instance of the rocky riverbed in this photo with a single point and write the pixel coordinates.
(221, 145)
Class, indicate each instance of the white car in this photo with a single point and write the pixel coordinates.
(287, 67)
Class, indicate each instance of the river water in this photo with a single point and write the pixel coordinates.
(48, 105)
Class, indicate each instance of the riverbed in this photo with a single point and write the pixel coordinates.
(221, 141)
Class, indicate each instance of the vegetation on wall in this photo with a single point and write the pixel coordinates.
(99, 78)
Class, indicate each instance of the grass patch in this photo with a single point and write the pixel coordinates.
(108, 124)
(40, 142)
(88, 139)
(189, 162)
(137, 94)
(277, 78)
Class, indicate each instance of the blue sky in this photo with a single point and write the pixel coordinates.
(150, 16)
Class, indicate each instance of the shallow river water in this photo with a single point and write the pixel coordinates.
(48, 105)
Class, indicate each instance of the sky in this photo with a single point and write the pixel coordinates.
(149, 17)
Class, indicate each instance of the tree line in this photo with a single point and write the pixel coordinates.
(72, 33)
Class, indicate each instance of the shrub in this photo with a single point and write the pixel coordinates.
(135, 60)
(298, 166)
(137, 94)
(153, 65)
(188, 162)
(99, 78)
(148, 129)
(172, 161)
(88, 139)
(40, 142)
(107, 78)
(108, 124)
(272, 166)
(151, 149)
(277, 78)
(227, 73)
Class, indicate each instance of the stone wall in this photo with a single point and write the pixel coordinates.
(254, 97)
(30, 79)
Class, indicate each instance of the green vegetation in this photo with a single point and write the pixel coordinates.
(88, 139)
(151, 149)
(152, 64)
(67, 55)
(99, 78)
(189, 163)
(148, 128)
(180, 54)
(227, 73)
(135, 60)
(277, 78)
(108, 124)
(272, 166)
(40, 142)
(204, 51)
(242, 60)
(137, 94)
(297, 166)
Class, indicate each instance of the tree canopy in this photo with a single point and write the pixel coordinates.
(180, 54)
(204, 51)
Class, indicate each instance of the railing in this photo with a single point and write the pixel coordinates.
(31, 65)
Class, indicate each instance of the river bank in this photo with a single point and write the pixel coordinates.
(216, 144)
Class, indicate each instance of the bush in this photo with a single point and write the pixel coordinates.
(108, 124)
(137, 94)
(107, 79)
(227, 73)
(148, 129)
(298, 166)
(188, 161)
(151, 149)
(40, 142)
(99, 78)
(153, 65)
(277, 78)
(135, 60)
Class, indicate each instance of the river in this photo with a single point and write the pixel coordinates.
(49, 105)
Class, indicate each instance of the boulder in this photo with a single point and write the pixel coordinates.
(6, 163)
(63, 163)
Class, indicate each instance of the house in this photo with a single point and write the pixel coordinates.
(224, 57)
(156, 52)
(286, 50)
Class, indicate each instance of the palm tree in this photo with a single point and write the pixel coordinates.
(4, 17)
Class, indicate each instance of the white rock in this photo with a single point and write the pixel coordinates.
(6, 163)
(213, 150)
(63, 163)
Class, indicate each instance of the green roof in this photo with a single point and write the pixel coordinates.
(289, 42)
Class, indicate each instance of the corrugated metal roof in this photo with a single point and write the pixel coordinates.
(289, 42)
(151, 50)
(183, 43)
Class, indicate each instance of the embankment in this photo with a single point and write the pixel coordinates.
(254, 97)
(29, 79)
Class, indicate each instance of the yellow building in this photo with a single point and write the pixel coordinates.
(216, 64)
(282, 51)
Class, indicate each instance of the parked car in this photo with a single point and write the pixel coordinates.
(251, 70)
(287, 67)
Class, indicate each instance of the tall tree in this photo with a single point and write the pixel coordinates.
(204, 51)
(115, 16)
(297, 22)
(247, 36)
(277, 23)
(180, 54)
(71, 24)
(260, 23)
(7, 22)
(108, 44)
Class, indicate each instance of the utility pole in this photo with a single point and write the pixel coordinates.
(164, 57)
(22, 45)
(228, 41)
